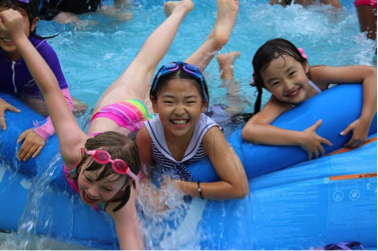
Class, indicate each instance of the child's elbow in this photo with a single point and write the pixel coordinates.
(242, 194)
(248, 134)
(242, 191)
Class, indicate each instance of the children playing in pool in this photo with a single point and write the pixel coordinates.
(15, 78)
(182, 134)
(284, 71)
(104, 165)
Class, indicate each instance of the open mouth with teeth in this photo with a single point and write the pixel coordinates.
(293, 94)
(87, 199)
(179, 122)
(6, 40)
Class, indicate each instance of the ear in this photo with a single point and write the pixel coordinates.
(204, 106)
(34, 24)
(306, 67)
(154, 105)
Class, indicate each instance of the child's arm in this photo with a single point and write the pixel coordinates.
(35, 139)
(126, 221)
(143, 141)
(69, 133)
(259, 131)
(233, 184)
(367, 75)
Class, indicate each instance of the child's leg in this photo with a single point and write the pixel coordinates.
(135, 81)
(226, 17)
(226, 64)
(226, 70)
(169, 7)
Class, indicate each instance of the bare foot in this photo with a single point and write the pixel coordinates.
(226, 64)
(226, 17)
(169, 7)
(184, 5)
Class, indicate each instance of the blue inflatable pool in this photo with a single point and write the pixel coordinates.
(293, 203)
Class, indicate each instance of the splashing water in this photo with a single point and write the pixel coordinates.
(94, 57)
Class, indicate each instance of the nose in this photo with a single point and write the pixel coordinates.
(93, 192)
(289, 85)
(180, 110)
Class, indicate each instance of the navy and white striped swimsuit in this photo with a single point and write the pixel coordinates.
(161, 154)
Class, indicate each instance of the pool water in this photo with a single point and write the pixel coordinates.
(93, 57)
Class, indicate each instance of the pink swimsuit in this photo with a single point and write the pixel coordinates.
(372, 3)
(129, 114)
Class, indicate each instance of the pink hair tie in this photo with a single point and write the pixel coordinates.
(302, 53)
(252, 81)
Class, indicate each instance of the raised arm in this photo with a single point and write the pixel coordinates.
(233, 184)
(66, 127)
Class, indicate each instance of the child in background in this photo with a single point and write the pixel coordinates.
(284, 71)
(284, 3)
(182, 134)
(16, 79)
(367, 17)
(68, 11)
(103, 165)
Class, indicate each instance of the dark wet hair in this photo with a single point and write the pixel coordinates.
(161, 85)
(119, 147)
(31, 9)
(268, 52)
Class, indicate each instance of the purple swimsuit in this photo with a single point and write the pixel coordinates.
(15, 77)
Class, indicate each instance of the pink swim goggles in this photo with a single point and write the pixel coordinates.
(119, 166)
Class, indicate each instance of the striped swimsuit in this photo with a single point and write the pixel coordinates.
(164, 160)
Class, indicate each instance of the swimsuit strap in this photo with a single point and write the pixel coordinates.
(314, 86)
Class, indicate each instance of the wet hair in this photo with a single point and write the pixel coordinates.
(268, 52)
(31, 9)
(162, 83)
(119, 147)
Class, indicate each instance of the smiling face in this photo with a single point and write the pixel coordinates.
(286, 79)
(5, 42)
(94, 192)
(179, 107)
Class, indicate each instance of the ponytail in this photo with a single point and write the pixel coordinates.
(259, 92)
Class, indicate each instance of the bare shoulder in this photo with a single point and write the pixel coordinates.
(71, 152)
(213, 140)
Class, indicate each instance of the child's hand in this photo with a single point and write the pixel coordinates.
(3, 107)
(312, 142)
(360, 129)
(11, 24)
(33, 144)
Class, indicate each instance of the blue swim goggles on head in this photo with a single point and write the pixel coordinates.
(188, 68)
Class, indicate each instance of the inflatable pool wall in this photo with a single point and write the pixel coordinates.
(337, 107)
(327, 200)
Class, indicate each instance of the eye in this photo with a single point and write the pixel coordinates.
(107, 189)
(88, 179)
(275, 83)
(168, 102)
(292, 73)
